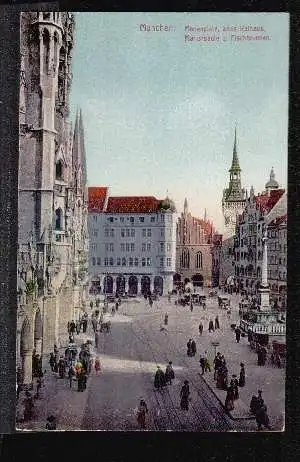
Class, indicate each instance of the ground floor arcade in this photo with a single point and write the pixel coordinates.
(132, 284)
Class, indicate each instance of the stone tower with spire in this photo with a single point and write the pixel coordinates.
(234, 196)
(52, 238)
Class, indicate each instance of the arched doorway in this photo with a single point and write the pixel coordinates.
(145, 285)
(108, 284)
(26, 352)
(197, 280)
(132, 285)
(158, 285)
(120, 283)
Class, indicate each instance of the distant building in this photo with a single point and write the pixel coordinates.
(263, 211)
(216, 259)
(132, 243)
(194, 242)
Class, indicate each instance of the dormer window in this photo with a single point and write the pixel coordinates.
(59, 170)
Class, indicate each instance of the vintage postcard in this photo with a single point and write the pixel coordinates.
(152, 201)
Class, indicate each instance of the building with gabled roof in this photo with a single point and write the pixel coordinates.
(194, 241)
(262, 211)
(132, 243)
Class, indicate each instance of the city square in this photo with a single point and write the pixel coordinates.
(151, 288)
(129, 356)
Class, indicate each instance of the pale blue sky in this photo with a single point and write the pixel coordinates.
(159, 113)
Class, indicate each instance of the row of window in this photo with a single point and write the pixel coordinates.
(123, 261)
(123, 219)
(130, 247)
(185, 259)
(129, 232)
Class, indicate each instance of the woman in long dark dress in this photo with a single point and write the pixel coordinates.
(159, 379)
(169, 373)
(242, 379)
(184, 395)
(229, 401)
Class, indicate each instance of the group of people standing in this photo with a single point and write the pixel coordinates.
(73, 326)
(214, 326)
(162, 379)
(191, 347)
(259, 409)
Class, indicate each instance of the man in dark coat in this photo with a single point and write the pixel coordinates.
(217, 323)
(234, 383)
(217, 364)
(202, 364)
(242, 376)
(200, 328)
(169, 373)
(184, 395)
(193, 347)
(211, 326)
(159, 379)
(262, 418)
(237, 334)
(189, 347)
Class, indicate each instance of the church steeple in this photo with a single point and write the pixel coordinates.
(234, 192)
(185, 207)
(78, 152)
(235, 166)
(205, 215)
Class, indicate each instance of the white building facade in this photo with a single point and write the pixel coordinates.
(132, 244)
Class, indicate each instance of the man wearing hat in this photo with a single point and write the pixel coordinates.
(184, 395)
(242, 376)
(169, 373)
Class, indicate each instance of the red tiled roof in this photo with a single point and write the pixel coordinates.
(97, 196)
(266, 202)
(133, 204)
(278, 221)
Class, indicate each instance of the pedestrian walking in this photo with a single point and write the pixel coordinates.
(217, 364)
(237, 334)
(217, 324)
(207, 363)
(202, 364)
(52, 361)
(61, 367)
(159, 379)
(166, 319)
(71, 374)
(242, 379)
(262, 418)
(200, 328)
(169, 374)
(229, 401)
(97, 365)
(84, 325)
(191, 306)
(193, 348)
(184, 395)
(78, 326)
(189, 347)
(211, 326)
(234, 383)
(141, 414)
(256, 402)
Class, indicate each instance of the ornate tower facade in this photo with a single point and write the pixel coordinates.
(234, 197)
(52, 257)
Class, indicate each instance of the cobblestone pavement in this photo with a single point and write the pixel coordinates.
(129, 355)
